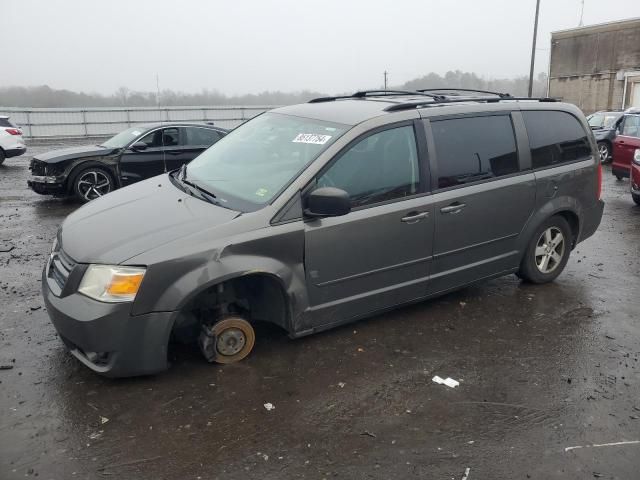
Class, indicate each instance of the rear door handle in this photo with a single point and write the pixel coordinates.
(414, 217)
(453, 208)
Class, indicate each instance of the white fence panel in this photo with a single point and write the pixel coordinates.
(89, 122)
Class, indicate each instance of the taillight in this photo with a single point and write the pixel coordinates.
(13, 131)
(599, 179)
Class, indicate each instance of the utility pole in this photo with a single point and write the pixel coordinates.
(157, 90)
(385, 80)
(533, 48)
(581, 15)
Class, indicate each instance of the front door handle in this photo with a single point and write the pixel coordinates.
(453, 208)
(414, 217)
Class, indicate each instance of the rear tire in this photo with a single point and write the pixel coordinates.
(92, 183)
(2, 156)
(619, 177)
(548, 251)
(605, 151)
(636, 198)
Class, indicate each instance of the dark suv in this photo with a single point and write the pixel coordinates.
(140, 152)
(311, 216)
(604, 125)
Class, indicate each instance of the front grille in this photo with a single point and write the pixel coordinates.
(37, 167)
(60, 268)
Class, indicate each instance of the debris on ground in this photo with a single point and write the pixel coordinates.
(449, 382)
(341, 384)
(269, 406)
(466, 473)
(368, 434)
(103, 420)
(6, 367)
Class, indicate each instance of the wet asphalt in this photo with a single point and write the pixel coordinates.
(541, 369)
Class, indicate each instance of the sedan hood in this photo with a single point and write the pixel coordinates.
(136, 219)
(85, 151)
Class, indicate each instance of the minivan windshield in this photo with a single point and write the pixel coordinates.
(124, 138)
(603, 120)
(252, 164)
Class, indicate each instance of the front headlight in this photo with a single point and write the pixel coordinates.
(107, 283)
(636, 156)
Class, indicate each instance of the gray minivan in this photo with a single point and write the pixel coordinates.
(314, 215)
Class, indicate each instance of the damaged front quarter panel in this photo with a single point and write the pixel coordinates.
(275, 251)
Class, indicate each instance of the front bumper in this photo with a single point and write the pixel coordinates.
(46, 185)
(106, 337)
(591, 220)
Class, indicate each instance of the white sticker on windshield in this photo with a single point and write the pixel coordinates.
(312, 138)
(135, 133)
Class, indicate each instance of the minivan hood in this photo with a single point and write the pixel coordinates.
(135, 219)
(56, 156)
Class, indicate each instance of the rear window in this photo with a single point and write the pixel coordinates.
(473, 149)
(555, 138)
(5, 122)
(202, 136)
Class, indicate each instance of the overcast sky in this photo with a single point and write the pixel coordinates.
(248, 46)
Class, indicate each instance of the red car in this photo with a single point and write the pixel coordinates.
(625, 146)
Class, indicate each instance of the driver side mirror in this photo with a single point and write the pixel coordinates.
(327, 202)
(139, 146)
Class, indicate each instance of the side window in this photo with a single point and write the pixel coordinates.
(381, 167)
(201, 136)
(555, 138)
(166, 137)
(474, 148)
(631, 126)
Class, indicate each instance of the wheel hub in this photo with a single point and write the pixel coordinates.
(230, 341)
(94, 184)
(549, 250)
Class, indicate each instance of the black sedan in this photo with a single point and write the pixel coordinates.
(135, 154)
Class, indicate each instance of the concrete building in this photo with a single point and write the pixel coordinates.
(597, 67)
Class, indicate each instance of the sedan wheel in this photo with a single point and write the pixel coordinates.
(92, 183)
(603, 150)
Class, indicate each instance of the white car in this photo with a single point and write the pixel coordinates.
(11, 141)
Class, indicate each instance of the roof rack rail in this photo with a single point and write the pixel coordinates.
(408, 106)
(501, 95)
(380, 93)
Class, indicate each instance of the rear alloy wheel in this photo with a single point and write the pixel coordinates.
(228, 340)
(604, 151)
(548, 251)
(92, 183)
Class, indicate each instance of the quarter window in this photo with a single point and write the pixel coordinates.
(555, 138)
(473, 149)
(382, 167)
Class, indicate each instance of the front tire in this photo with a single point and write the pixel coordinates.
(605, 151)
(2, 156)
(548, 251)
(636, 198)
(92, 183)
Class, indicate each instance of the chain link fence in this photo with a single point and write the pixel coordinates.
(37, 123)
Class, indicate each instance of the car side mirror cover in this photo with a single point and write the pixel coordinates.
(138, 146)
(327, 202)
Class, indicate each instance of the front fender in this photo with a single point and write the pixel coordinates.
(169, 286)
